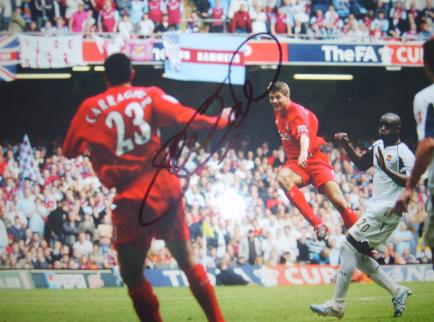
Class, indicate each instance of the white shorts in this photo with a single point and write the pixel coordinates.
(375, 228)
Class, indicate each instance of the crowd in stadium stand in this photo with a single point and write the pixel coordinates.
(235, 210)
(360, 19)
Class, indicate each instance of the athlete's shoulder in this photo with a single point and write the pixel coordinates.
(403, 148)
(425, 94)
(429, 90)
(157, 92)
(377, 143)
(296, 106)
(91, 99)
(297, 109)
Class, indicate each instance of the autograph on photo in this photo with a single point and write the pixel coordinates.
(176, 151)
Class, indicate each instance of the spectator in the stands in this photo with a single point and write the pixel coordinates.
(425, 30)
(333, 22)
(397, 25)
(17, 229)
(174, 9)
(193, 23)
(138, 8)
(163, 26)
(71, 7)
(89, 25)
(17, 24)
(279, 23)
(76, 22)
(398, 11)
(70, 228)
(155, 12)
(380, 24)
(146, 26)
(48, 29)
(217, 14)
(259, 21)
(241, 22)
(89, 5)
(401, 238)
(125, 26)
(108, 18)
(250, 247)
(83, 245)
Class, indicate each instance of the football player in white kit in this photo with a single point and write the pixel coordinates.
(392, 161)
(423, 108)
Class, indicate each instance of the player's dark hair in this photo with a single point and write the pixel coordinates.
(428, 54)
(279, 87)
(117, 69)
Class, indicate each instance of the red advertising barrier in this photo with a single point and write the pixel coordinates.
(259, 52)
(280, 275)
(406, 54)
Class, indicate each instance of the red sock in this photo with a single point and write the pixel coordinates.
(298, 200)
(204, 292)
(145, 302)
(349, 217)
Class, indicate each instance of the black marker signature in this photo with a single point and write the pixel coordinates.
(169, 155)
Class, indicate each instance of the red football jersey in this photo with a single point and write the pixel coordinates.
(121, 129)
(298, 120)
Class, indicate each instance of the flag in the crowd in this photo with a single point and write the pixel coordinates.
(28, 167)
(107, 46)
(204, 57)
(8, 57)
(51, 52)
(140, 49)
(136, 49)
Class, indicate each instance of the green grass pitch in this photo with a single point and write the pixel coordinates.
(366, 302)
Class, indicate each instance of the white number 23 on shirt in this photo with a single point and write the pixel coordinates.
(143, 130)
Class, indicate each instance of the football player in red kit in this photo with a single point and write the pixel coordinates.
(305, 163)
(120, 128)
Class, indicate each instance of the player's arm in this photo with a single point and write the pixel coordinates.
(399, 178)
(73, 145)
(304, 148)
(424, 156)
(363, 161)
(169, 112)
(299, 125)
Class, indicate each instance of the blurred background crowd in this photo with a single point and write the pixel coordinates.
(359, 19)
(236, 213)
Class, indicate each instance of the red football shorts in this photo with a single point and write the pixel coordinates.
(317, 172)
(164, 202)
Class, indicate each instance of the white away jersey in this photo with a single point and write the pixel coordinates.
(398, 158)
(423, 109)
(378, 223)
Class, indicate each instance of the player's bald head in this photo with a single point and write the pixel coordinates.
(391, 119)
(118, 69)
(389, 128)
(278, 86)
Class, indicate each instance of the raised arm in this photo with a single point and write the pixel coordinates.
(363, 161)
(169, 112)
